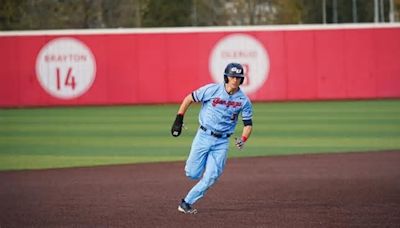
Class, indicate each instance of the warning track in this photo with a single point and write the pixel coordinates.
(330, 190)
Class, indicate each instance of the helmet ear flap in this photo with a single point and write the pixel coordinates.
(241, 80)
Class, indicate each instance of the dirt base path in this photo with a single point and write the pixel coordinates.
(333, 190)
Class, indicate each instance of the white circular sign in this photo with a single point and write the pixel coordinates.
(65, 68)
(243, 49)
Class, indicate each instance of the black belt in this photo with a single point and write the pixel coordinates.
(216, 135)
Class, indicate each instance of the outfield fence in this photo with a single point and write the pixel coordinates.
(144, 66)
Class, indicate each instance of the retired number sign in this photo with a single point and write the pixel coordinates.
(65, 68)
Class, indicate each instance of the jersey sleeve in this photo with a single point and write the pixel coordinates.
(247, 113)
(204, 93)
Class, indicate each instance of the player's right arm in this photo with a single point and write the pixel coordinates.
(199, 95)
(185, 104)
(178, 123)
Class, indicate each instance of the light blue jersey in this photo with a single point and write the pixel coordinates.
(218, 118)
(220, 111)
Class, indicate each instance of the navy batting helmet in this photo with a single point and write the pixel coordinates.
(234, 70)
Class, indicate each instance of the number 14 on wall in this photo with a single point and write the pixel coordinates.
(69, 79)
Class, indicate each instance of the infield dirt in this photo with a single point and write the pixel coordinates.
(329, 190)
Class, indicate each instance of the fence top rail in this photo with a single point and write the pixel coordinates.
(112, 31)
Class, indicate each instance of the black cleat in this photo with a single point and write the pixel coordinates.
(186, 208)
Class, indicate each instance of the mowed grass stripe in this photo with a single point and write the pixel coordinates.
(84, 136)
(113, 141)
(100, 151)
(19, 162)
(162, 144)
(33, 136)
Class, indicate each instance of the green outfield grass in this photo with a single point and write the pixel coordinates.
(87, 136)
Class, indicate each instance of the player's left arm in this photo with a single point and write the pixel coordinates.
(247, 115)
(247, 129)
(247, 132)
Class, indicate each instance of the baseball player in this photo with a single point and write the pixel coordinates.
(221, 105)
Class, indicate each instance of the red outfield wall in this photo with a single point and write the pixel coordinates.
(162, 66)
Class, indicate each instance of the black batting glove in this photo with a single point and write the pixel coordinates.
(177, 125)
